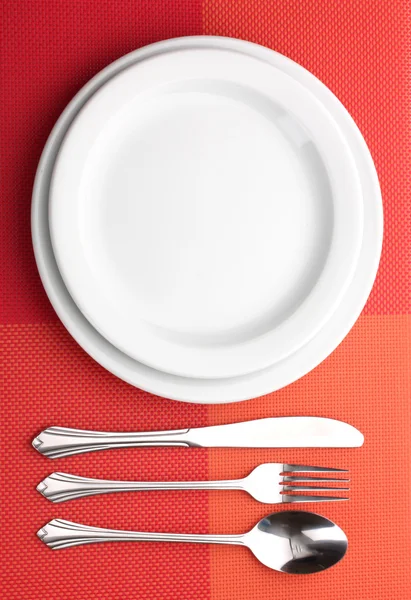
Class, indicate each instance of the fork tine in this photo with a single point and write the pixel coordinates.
(312, 488)
(291, 499)
(286, 478)
(304, 468)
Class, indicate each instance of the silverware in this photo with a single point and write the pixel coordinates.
(288, 541)
(276, 432)
(265, 483)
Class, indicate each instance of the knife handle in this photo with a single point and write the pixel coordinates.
(58, 442)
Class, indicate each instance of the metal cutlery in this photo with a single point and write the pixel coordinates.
(275, 432)
(267, 483)
(288, 541)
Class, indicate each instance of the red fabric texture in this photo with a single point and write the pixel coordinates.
(50, 49)
(50, 380)
(361, 49)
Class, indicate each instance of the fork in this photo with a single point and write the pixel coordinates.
(267, 483)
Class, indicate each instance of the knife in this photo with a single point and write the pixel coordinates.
(275, 432)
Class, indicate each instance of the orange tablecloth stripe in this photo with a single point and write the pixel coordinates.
(365, 382)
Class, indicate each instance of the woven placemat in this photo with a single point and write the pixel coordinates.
(362, 50)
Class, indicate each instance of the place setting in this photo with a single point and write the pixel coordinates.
(207, 224)
(294, 542)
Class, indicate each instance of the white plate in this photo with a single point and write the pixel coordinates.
(212, 390)
(206, 213)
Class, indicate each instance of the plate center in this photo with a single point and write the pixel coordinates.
(206, 213)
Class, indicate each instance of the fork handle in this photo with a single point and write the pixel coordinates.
(58, 442)
(60, 487)
(58, 534)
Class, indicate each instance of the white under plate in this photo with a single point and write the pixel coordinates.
(206, 213)
(236, 388)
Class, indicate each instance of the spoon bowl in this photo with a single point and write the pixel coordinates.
(297, 542)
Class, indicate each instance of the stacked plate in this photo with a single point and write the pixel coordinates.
(207, 219)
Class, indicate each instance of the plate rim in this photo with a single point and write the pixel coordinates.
(138, 375)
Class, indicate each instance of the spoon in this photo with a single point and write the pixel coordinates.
(288, 541)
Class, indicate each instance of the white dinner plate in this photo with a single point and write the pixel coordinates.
(228, 389)
(206, 213)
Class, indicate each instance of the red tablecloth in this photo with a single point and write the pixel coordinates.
(362, 50)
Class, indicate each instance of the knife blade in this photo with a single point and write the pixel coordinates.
(279, 432)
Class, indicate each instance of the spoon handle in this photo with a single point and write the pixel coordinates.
(60, 487)
(58, 534)
(58, 442)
